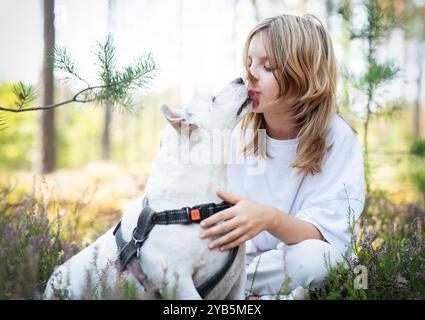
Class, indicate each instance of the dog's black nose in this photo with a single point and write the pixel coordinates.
(238, 81)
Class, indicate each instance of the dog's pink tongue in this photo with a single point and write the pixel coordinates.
(253, 95)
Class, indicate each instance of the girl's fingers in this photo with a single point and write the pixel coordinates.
(227, 239)
(221, 216)
(235, 243)
(220, 229)
(228, 197)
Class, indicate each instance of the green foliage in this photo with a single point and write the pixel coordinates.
(417, 175)
(418, 178)
(377, 75)
(18, 137)
(114, 85)
(2, 124)
(417, 165)
(380, 21)
(118, 84)
(24, 93)
(134, 139)
(345, 9)
(417, 148)
(391, 249)
(65, 65)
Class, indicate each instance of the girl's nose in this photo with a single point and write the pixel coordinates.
(252, 76)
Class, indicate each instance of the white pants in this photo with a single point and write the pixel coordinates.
(288, 267)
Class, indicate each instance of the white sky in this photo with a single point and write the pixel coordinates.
(195, 43)
(198, 44)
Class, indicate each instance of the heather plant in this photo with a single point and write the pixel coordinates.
(30, 246)
(390, 252)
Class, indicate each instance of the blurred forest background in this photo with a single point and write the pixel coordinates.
(81, 163)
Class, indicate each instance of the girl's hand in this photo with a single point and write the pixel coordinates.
(240, 222)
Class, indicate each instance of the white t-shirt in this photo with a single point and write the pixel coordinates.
(322, 199)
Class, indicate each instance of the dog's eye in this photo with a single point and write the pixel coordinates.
(213, 98)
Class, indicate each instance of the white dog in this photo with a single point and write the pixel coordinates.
(188, 171)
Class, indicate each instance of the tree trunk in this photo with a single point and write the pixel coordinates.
(48, 141)
(418, 103)
(106, 135)
(329, 10)
(256, 10)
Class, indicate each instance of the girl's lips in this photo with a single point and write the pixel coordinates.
(254, 96)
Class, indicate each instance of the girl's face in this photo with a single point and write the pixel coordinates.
(264, 88)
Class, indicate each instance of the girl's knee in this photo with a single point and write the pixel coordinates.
(313, 249)
(310, 261)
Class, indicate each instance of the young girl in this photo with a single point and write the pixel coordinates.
(294, 216)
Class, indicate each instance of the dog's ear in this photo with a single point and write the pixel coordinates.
(178, 120)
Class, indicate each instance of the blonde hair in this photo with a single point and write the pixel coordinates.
(303, 62)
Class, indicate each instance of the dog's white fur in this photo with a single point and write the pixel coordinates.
(173, 253)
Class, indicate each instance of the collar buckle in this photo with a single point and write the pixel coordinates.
(202, 211)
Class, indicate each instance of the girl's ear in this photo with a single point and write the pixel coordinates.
(178, 120)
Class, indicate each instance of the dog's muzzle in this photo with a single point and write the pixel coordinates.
(247, 102)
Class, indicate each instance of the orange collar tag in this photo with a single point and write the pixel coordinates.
(195, 215)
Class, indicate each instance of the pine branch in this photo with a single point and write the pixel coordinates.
(52, 106)
(380, 21)
(378, 74)
(115, 86)
(106, 57)
(25, 94)
(62, 62)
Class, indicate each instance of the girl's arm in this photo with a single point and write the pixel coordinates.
(247, 218)
(289, 229)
